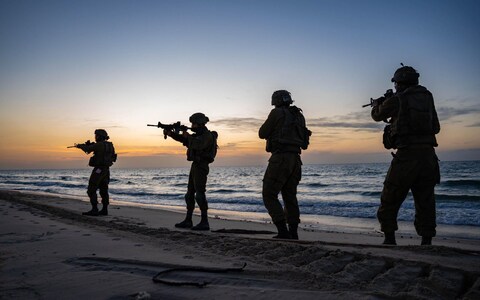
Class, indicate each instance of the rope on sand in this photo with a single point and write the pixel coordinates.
(243, 231)
(156, 278)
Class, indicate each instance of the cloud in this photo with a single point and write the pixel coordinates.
(446, 113)
(240, 124)
(358, 126)
(359, 121)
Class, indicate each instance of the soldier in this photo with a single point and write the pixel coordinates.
(286, 134)
(413, 123)
(201, 151)
(103, 158)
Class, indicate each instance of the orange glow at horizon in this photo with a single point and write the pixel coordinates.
(45, 141)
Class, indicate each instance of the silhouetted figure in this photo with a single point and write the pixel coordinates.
(103, 158)
(286, 134)
(413, 123)
(201, 151)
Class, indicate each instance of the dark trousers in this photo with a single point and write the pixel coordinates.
(197, 182)
(283, 174)
(416, 170)
(99, 179)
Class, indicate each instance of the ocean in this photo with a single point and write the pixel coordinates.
(335, 190)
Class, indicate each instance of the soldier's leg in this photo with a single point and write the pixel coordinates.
(273, 181)
(289, 195)
(200, 182)
(104, 192)
(190, 202)
(93, 185)
(425, 215)
(395, 190)
(424, 197)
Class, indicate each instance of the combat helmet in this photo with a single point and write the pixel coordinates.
(405, 75)
(198, 118)
(103, 133)
(281, 98)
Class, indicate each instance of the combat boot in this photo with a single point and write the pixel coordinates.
(389, 238)
(187, 223)
(293, 230)
(203, 225)
(103, 211)
(426, 241)
(282, 230)
(92, 212)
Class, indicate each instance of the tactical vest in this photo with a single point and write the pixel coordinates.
(417, 120)
(104, 158)
(293, 134)
(205, 155)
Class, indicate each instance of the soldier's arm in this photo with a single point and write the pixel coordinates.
(267, 128)
(177, 137)
(386, 109)
(90, 148)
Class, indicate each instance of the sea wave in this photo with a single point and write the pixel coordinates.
(469, 183)
(371, 194)
(44, 184)
(446, 197)
(314, 184)
(144, 194)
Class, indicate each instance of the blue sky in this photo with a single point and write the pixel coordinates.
(122, 64)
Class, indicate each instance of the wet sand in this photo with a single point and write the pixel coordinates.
(48, 250)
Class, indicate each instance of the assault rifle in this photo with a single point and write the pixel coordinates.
(88, 143)
(176, 127)
(378, 101)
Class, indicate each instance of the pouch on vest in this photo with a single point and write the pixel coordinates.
(388, 139)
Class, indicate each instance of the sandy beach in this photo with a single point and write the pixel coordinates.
(50, 251)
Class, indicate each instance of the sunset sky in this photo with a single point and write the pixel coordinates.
(69, 67)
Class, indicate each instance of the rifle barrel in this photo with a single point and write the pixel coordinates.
(369, 104)
(152, 125)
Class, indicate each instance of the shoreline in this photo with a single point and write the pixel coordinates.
(321, 223)
(317, 228)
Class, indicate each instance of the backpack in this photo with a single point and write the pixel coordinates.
(110, 156)
(213, 150)
(294, 130)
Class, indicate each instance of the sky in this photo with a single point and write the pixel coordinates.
(70, 67)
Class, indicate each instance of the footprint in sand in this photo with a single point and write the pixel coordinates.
(188, 257)
(138, 245)
(116, 239)
(86, 234)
